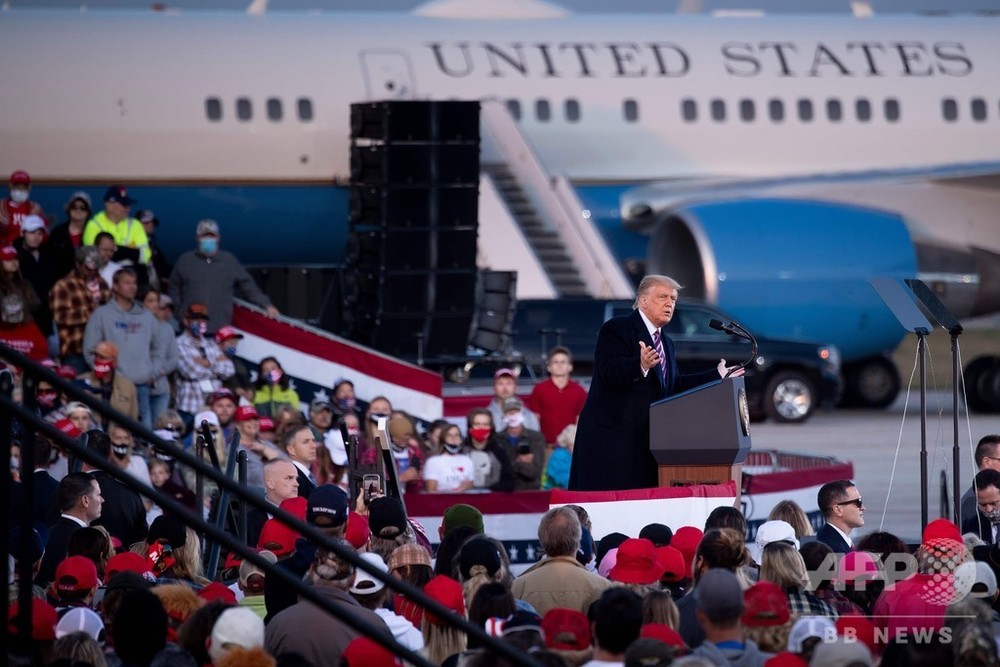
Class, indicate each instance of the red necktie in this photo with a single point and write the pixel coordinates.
(663, 358)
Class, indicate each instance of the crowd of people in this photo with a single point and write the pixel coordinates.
(687, 595)
(119, 581)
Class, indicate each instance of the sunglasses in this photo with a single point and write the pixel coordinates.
(857, 502)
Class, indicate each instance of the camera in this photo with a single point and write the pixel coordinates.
(523, 448)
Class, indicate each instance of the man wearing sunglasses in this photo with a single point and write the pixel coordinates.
(844, 510)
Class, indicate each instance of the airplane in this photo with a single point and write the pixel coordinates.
(775, 164)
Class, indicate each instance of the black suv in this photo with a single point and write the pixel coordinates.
(786, 381)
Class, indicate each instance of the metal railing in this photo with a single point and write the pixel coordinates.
(32, 423)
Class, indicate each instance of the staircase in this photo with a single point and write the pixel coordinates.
(546, 242)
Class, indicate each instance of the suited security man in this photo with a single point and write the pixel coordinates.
(986, 521)
(79, 500)
(634, 366)
(844, 510)
(300, 445)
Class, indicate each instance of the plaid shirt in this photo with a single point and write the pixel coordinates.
(803, 603)
(72, 302)
(840, 604)
(189, 395)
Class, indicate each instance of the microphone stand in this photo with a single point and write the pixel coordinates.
(735, 329)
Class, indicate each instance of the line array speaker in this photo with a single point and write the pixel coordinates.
(411, 252)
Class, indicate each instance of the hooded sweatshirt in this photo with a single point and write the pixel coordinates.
(748, 656)
(141, 353)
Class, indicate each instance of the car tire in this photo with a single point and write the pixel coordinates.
(981, 377)
(872, 383)
(790, 397)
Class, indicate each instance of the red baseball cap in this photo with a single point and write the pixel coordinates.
(765, 604)
(266, 425)
(20, 177)
(217, 592)
(357, 532)
(297, 506)
(664, 633)
(365, 652)
(225, 333)
(448, 592)
(566, 629)
(8, 253)
(636, 563)
(686, 540)
(43, 620)
(672, 560)
(75, 573)
(245, 413)
(277, 538)
(126, 562)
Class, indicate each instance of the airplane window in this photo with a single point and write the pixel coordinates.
(572, 111)
(631, 110)
(542, 110)
(243, 108)
(776, 110)
(949, 109)
(748, 112)
(979, 109)
(305, 109)
(274, 109)
(718, 110)
(213, 108)
(514, 107)
(863, 109)
(689, 110)
(892, 109)
(805, 110)
(834, 111)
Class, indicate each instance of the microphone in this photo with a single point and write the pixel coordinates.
(735, 329)
(719, 326)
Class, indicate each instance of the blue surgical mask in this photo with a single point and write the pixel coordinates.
(208, 245)
(346, 404)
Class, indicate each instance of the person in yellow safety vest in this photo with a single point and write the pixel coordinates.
(129, 235)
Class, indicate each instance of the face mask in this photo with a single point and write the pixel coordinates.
(375, 416)
(163, 456)
(353, 431)
(993, 516)
(121, 451)
(273, 376)
(19, 196)
(346, 404)
(199, 328)
(47, 399)
(513, 420)
(230, 351)
(452, 449)
(103, 369)
(208, 246)
(480, 434)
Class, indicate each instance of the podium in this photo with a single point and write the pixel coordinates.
(701, 436)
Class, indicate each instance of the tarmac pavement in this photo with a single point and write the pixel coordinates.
(889, 483)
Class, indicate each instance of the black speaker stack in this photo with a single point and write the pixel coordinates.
(493, 325)
(410, 275)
